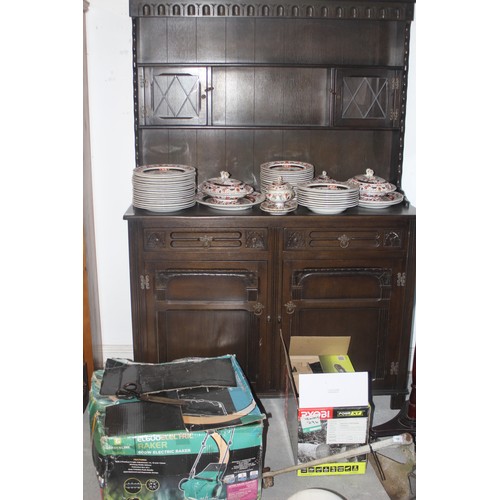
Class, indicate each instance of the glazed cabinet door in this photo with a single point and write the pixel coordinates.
(207, 309)
(353, 298)
(367, 98)
(173, 95)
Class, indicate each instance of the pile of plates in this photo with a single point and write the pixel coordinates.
(382, 201)
(292, 172)
(328, 197)
(164, 187)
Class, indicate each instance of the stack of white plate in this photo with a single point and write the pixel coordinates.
(323, 197)
(292, 172)
(382, 201)
(164, 187)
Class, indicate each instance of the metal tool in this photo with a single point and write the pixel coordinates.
(131, 391)
(401, 439)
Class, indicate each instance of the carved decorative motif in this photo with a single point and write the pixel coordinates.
(296, 239)
(386, 11)
(249, 278)
(155, 239)
(384, 276)
(255, 239)
(392, 239)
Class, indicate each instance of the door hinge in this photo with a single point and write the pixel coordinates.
(144, 281)
(394, 83)
(395, 368)
(401, 279)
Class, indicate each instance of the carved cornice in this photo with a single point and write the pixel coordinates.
(387, 10)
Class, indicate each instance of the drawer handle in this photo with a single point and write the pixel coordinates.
(206, 241)
(290, 307)
(344, 241)
(258, 308)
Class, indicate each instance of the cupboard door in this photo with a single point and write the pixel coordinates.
(368, 98)
(270, 96)
(349, 298)
(173, 96)
(209, 309)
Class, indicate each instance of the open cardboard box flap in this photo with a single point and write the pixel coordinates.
(302, 347)
(308, 349)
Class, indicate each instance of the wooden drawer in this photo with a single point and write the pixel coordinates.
(391, 238)
(210, 240)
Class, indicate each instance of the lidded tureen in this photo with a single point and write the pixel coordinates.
(279, 192)
(225, 190)
(371, 185)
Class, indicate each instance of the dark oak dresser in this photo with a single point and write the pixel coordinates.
(229, 86)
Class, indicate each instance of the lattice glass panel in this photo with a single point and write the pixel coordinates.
(176, 96)
(365, 97)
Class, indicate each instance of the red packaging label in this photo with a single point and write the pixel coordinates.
(321, 413)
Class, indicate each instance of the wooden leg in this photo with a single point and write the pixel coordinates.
(406, 419)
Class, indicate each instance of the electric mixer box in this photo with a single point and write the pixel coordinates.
(327, 407)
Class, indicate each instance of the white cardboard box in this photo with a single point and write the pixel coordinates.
(327, 413)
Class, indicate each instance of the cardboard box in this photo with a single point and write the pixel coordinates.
(327, 407)
(144, 452)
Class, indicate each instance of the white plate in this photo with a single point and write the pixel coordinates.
(242, 204)
(271, 208)
(328, 211)
(163, 209)
(381, 201)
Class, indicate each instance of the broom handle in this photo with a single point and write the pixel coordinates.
(400, 439)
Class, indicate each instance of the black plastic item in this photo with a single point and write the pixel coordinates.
(213, 372)
(316, 367)
(85, 387)
(142, 417)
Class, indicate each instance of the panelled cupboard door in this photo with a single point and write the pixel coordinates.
(367, 97)
(173, 95)
(357, 298)
(208, 309)
(270, 96)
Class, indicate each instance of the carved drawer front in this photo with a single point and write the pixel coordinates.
(161, 239)
(329, 239)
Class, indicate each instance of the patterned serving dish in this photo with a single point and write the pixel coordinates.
(372, 185)
(225, 190)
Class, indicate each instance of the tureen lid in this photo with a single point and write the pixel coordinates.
(324, 177)
(224, 180)
(372, 184)
(369, 177)
(279, 183)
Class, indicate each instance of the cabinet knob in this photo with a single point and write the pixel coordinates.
(290, 307)
(258, 308)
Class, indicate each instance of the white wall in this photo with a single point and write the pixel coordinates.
(109, 46)
(109, 32)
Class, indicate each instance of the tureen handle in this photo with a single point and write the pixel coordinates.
(369, 172)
